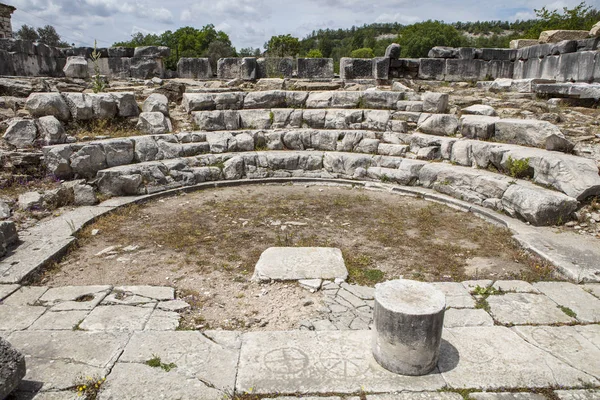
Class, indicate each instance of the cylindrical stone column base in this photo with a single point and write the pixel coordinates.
(407, 326)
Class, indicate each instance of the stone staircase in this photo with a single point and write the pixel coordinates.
(363, 135)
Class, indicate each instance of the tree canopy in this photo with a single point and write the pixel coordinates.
(282, 46)
(46, 34)
(187, 42)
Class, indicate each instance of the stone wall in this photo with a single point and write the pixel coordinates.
(5, 25)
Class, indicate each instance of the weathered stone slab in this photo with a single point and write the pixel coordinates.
(507, 396)
(318, 362)
(533, 133)
(294, 263)
(59, 320)
(123, 294)
(6, 290)
(151, 381)
(593, 288)
(194, 68)
(163, 321)
(58, 358)
(515, 286)
(14, 318)
(590, 332)
(212, 361)
(496, 357)
(582, 394)
(458, 318)
(566, 294)
(116, 318)
(473, 284)
(566, 344)
(315, 68)
(525, 308)
(415, 396)
(25, 296)
(68, 298)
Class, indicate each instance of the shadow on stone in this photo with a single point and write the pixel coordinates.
(27, 390)
(449, 357)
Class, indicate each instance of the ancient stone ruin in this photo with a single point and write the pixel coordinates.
(506, 135)
(5, 25)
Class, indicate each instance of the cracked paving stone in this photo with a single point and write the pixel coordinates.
(69, 298)
(507, 396)
(161, 293)
(526, 308)
(362, 292)
(59, 320)
(455, 318)
(585, 305)
(350, 298)
(196, 356)
(6, 290)
(515, 286)
(593, 288)
(319, 362)
(57, 358)
(173, 305)
(460, 302)
(591, 333)
(25, 296)
(472, 284)
(16, 318)
(323, 325)
(495, 357)
(566, 344)
(451, 288)
(163, 321)
(583, 394)
(416, 396)
(116, 318)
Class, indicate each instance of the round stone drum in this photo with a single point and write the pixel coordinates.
(408, 321)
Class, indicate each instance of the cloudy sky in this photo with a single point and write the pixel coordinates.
(250, 23)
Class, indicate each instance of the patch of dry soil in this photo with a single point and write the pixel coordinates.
(206, 244)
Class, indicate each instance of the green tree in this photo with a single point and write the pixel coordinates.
(247, 52)
(580, 17)
(417, 39)
(365, 52)
(186, 42)
(314, 53)
(49, 36)
(27, 32)
(282, 46)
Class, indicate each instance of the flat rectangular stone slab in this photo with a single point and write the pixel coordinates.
(14, 318)
(211, 361)
(526, 308)
(496, 357)
(584, 304)
(295, 263)
(116, 318)
(297, 362)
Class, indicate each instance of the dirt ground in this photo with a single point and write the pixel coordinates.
(206, 244)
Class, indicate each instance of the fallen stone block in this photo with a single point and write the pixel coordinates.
(154, 123)
(478, 126)
(555, 36)
(520, 43)
(50, 131)
(21, 133)
(76, 67)
(156, 103)
(295, 263)
(436, 103)
(479, 109)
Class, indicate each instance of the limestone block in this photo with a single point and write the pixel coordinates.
(152, 52)
(356, 68)
(228, 68)
(41, 104)
(76, 67)
(438, 124)
(154, 123)
(520, 43)
(478, 126)
(436, 103)
(146, 68)
(393, 51)
(21, 133)
(555, 36)
(431, 68)
(126, 104)
(51, 131)
(295, 263)
(194, 68)
(533, 133)
(538, 206)
(156, 102)
(408, 319)
(80, 105)
(316, 68)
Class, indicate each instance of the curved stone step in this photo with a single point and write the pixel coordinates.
(536, 205)
(281, 118)
(369, 99)
(575, 176)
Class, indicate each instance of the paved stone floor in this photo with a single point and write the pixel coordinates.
(499, 345)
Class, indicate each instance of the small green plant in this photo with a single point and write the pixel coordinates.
(88, 387)
(518, 168)
(314, 53)
(271, 117)
(482, 303)
(568, 311)
(384, 178)
(155, 362)
(485, 291)
(98, 84)
(77, 326)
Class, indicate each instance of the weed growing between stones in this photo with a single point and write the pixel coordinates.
(98, 84)
(518, 168)
(568, 311)
(482, 293)
(91, 129)
(155, 362)
(88, 387)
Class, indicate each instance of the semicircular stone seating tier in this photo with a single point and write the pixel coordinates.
(405, 138)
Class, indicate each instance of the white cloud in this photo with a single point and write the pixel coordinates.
(401, 18)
